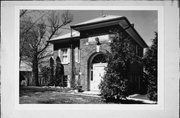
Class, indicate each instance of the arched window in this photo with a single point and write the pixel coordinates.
(100, 58)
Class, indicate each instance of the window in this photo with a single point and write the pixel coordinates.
(65, 55)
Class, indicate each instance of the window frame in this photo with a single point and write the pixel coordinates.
(65, 55)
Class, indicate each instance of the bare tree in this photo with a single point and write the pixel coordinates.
(26, 24)
(34, 36)
(23, 12)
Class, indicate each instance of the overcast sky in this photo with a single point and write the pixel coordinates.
(145, 21)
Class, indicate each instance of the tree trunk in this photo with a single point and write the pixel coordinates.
(52, 71)
(35, 71)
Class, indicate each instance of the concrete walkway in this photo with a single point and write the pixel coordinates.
(142, 98)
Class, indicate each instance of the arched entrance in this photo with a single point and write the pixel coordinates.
(97, 64)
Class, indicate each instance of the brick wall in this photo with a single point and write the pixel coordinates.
(86, 51)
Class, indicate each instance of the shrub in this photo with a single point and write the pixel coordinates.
(114, 86)
(45, 74)
(59, 73)
(150, 63)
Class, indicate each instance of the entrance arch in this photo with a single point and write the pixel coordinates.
(96, 70)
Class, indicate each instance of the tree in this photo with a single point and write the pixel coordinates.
(59, 74)
(150, 64)
(34, 35)
(27, 23)
(45, 72)
(114, 86)
(51, 71)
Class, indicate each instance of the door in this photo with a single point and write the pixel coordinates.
(98, 73)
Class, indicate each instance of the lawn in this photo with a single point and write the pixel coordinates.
(40, 95)
(55, 96)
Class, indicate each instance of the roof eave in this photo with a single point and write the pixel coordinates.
(143, 43)
(100, 23)
(69, 39)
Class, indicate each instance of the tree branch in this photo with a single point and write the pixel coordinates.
(23, 13)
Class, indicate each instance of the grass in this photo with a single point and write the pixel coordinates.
(39, 95)
(54, 96)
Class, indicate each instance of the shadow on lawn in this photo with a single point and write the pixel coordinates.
(55, 101)
(124, 101)
(69, 102)
(31, 90)
(131, 102)
(46, 101)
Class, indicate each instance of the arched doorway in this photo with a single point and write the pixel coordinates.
(97, 66)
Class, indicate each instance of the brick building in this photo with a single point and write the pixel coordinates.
(82, 51)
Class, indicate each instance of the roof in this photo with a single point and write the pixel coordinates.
(103, 21)
(76, 33)
(99, 19)
(68, 35)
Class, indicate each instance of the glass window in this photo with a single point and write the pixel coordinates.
(65, 55)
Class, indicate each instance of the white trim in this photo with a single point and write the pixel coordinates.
(76, 54)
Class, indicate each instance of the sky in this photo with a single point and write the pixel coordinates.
(145, 22)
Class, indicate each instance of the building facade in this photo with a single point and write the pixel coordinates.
(83, 51)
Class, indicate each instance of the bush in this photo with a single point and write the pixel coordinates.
(45, 74)
(59, 73)
(114, 86)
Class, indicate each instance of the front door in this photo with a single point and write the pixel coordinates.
(98, 73)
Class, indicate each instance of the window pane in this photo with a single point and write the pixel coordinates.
(65, 55)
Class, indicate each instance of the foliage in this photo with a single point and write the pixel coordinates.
(59, 73)
(45, 72)
(35, 34)
(52, 71)
(150, 63)
(114, 86)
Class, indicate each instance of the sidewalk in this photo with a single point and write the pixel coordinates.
(142, 98)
